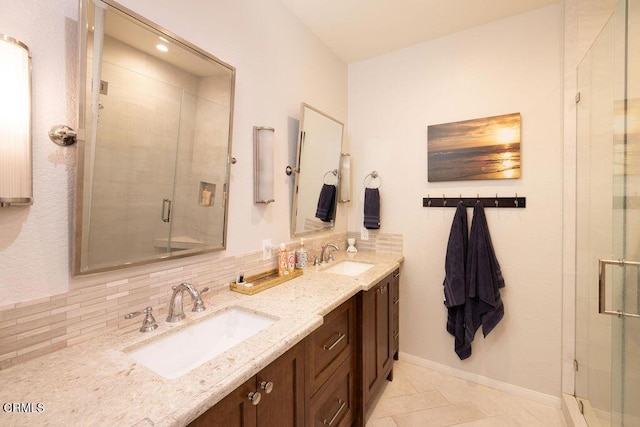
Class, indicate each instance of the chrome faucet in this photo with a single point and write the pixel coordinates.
(176, 308)
(327, 255)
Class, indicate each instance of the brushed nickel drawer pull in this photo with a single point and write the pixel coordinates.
(329, 347)
(396, 301)
(342, 404)
(397, 334)
(396, 275)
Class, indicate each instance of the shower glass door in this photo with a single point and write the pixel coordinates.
(134, 162)
(608, 225)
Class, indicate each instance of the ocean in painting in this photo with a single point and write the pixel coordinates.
(498, 161)
(485, 148)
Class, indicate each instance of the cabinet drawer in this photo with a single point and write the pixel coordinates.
(329, 345)
(334, 403)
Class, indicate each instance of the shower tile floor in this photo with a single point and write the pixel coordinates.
(422, 397)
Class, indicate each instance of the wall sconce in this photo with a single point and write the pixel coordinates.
(263, 153)
(345, 178)
(16, 174)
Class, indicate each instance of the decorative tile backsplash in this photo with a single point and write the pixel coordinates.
(33, 328)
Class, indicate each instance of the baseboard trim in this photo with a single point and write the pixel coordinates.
(479, 379)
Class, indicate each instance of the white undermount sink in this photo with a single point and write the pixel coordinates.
(190, 347)
(349, 268)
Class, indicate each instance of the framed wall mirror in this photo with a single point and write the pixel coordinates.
(154, 143)
(317, 178)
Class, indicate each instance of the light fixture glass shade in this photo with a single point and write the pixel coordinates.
(16, 184)
(345, 178)
(263, 167)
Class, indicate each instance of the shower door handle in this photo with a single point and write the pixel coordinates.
(166, 210)
(602, 285)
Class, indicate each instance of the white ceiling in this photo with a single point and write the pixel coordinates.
(361, 29)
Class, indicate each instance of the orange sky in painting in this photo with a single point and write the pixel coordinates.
(486, 131)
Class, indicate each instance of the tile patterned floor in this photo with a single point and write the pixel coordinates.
(421, 397)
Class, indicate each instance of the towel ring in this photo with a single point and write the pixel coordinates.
(334, 173)
(373, 175)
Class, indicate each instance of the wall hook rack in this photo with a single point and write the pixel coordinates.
(488, 202)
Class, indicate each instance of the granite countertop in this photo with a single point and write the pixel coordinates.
(97, 383)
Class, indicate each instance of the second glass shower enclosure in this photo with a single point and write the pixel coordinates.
(607, 381)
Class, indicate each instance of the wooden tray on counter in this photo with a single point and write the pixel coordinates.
(264, 281)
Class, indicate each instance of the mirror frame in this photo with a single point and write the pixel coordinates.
(296, 188)
(83, 31)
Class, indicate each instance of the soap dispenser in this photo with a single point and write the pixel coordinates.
(283, 260)
(301, 255)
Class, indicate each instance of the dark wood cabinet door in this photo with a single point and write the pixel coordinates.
(377, 346)
(383, 327)
(281, 385)
(235, 410)
(369, 338)
(281, 402)
(376, 338)
(395, 314)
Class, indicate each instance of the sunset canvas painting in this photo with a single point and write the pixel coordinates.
(487, 148)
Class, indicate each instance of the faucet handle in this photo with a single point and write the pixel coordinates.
(148, 323)
(198, 304)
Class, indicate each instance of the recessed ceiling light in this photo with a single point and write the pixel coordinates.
(162, 48)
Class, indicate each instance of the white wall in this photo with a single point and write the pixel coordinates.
(513, 65)
(279, 64)
(34, 241)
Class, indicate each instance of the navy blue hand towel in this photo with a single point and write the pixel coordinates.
(326, 203)
(484, 278)
(371, 208)
(455, 284)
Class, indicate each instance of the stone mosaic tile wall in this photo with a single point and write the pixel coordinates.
(33, 328)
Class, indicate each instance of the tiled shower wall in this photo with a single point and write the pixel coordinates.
(33, 328)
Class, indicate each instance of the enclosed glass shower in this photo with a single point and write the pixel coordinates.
(607, 378)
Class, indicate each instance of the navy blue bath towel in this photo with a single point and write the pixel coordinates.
(484, 279)
(371, 208)
(455, 283)
(326, 203)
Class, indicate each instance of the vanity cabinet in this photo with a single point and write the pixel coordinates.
(273, 397)
(329, 379)
(330, 369)
(379, 332)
